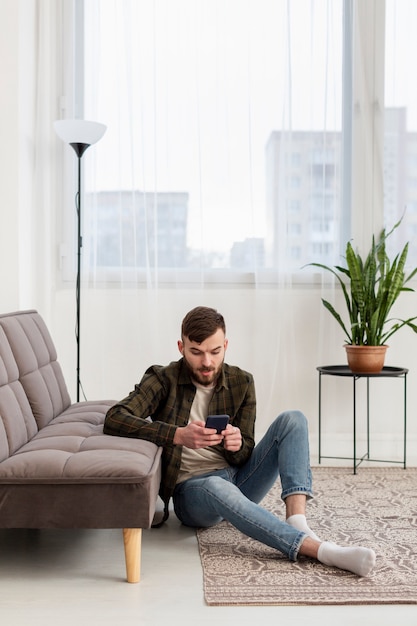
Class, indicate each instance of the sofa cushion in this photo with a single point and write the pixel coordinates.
(39, 372)
(17, 423)
(73, 448)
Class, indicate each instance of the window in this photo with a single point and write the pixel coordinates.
(213, 108)
(227, 119)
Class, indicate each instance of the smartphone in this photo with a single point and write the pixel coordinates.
(219, 422)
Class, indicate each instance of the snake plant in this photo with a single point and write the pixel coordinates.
(371, 287)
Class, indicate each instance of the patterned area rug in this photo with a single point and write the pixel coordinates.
(377, 508)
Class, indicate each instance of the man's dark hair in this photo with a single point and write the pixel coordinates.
(200, 323)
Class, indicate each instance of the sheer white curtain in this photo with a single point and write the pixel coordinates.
(400, 125)
(202, 100)
(40, 36)
(218, 178)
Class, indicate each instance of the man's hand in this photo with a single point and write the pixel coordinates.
(232, 438)
(195, 436)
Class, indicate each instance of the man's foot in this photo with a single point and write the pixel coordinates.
(358, 560)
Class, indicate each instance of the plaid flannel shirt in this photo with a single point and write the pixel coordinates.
(165, 395)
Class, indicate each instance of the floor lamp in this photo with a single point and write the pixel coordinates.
(80, 134)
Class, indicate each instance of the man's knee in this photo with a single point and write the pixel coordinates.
(292, 420)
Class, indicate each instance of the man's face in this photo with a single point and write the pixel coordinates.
(205, 359)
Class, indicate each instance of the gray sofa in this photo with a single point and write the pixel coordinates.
(57, 468)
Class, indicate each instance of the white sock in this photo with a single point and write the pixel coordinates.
(358, 560)
(299, 522)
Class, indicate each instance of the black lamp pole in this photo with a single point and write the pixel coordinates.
(79, 148)
(80, 134)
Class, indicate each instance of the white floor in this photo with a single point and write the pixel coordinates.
(78, 578)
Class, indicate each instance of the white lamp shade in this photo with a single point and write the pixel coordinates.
(79, 131)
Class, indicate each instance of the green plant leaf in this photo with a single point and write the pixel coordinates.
(371, 285)
(337, 317)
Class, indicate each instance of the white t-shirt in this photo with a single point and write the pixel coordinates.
(203, 460)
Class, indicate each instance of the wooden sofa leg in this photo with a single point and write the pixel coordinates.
(132, 538)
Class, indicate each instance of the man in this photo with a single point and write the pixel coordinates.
(214, 476)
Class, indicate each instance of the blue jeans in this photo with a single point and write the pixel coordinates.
(233, 494)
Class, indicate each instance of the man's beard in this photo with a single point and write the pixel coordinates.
(197, 375)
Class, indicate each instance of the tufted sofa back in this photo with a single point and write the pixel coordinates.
(32, 387)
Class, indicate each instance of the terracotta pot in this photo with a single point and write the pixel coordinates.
(366, 359)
